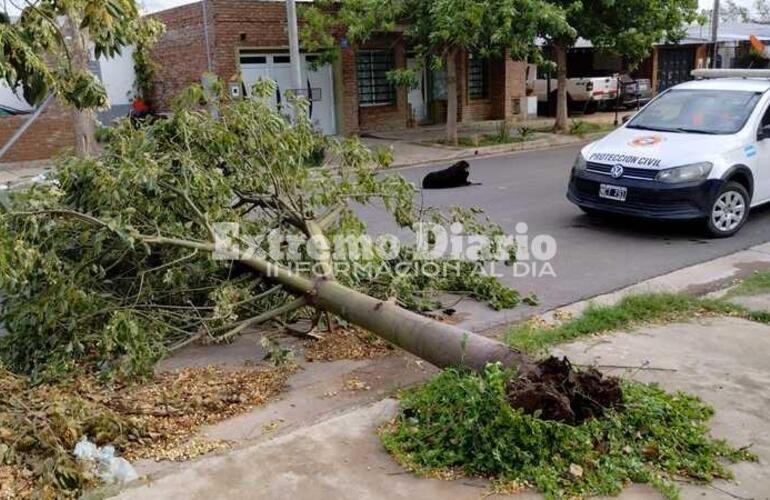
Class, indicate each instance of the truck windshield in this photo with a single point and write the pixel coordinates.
(697, 111)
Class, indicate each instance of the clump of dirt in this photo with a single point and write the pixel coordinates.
(346, 343)
(560, 393)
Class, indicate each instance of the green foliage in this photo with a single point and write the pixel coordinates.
(626, 27)
(752, 59)
(631, 311)
(435, 28)
(503, 133)
(463, 422)
(149, 31)
(582, 128)
(526, 133)
(44, 32)
(83, 282)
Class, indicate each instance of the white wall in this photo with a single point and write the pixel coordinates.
(118, 76)
(11, 99)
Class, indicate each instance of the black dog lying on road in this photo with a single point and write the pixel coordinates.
(452, 177)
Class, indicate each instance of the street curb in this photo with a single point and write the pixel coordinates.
(497, 150)
(702, 279)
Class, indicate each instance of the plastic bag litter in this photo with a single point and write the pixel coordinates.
(111, 469)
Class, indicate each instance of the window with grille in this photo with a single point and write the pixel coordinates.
(373, 87)
(478, 78)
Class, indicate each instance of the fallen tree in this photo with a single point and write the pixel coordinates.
(164, 240)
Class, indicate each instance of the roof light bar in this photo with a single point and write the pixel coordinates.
(730, 73)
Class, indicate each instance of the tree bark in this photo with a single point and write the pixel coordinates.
(451, 94)
(83, 121)
(562, 111)
(439, 344)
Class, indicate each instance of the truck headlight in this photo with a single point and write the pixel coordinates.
(686, 173)
(580, 163)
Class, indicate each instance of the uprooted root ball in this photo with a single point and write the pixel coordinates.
(564, 394)
(464, 424)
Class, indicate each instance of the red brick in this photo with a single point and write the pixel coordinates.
(255, 24)
(50, 134)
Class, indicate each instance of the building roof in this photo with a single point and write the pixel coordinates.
(728, 32)
(747, 84)
(700, 34)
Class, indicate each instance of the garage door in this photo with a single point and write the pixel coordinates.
(256, 65)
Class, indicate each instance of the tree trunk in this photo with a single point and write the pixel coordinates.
(83, 121)
(84, 128)
(451, 94)
(440, 344)
(562, 111)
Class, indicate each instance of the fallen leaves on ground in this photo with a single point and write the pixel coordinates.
(174, 406)
(156, 419)
(346, 343)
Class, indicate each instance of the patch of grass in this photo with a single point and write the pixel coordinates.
(756, 284)
(581, 128)
(631, 311)
(503, 135)
(461, 424)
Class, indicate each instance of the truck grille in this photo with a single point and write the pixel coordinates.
(628, 172)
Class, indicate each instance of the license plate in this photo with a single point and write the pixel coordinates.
(617, 193)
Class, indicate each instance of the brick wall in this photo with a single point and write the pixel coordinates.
(245, 24)
(50, 134)
(475, 109)
(507, 82)
(396, 116)
(180, 53)
(349, 105)
(255, 24)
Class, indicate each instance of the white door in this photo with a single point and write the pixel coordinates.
(277, 67)
(416, 97)
(322, 92)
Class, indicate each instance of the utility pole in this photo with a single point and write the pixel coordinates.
(291, 20)
(715, 33)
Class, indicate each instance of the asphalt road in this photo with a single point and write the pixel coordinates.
(595, 255)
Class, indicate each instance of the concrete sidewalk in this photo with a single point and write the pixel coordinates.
(724, 361)
(420, 145)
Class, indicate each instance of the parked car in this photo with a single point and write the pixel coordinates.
(698, 151)
(634, 93)
(587, 93)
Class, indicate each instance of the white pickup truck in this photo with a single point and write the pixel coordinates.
(585, 92)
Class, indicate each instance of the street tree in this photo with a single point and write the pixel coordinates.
(761, 11)
(438, 31)
(628, 28)
(734, 12)
(165, 239)
(46, 47)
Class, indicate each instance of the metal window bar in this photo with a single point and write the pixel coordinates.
(372, 69)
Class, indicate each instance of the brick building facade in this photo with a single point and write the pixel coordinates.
(359, 97)
(49, 135)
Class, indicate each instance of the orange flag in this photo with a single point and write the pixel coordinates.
(757, 44)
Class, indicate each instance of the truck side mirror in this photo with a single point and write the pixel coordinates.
(764, 133)
(627, 118)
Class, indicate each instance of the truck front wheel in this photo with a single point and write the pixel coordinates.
(729, 211)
